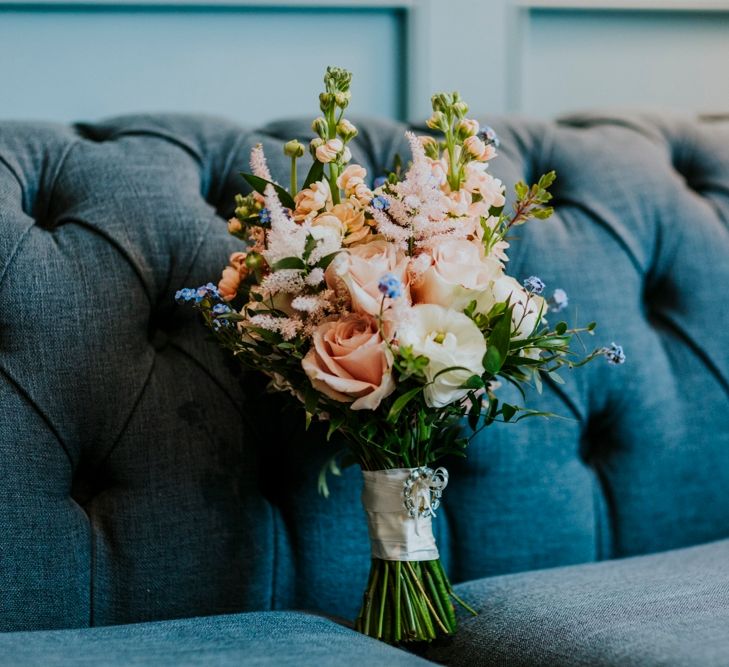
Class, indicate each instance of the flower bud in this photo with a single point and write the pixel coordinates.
(466, 127)
(293, 148)
(440, 101)
(325, 100)
(346, 130)
(327, 152)
(234, 226)
(461, 109)
(254, 261)
(314, 144)
(319, 125)
(430, 146)
(342, 99)
(437, 121)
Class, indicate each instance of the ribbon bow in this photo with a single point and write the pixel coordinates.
(422, 491)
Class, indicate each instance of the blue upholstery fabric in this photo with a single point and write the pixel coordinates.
(278, 639)
(669, 609)
(144, 477)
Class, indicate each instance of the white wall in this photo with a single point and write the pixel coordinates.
(253, 61)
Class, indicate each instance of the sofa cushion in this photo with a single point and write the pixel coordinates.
(666, 609)
(136, 480)
(273, 638)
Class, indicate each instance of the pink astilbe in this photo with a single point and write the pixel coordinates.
(290, 281)
(288, 327)
(258, 163)
(286, 238)
(391, 231)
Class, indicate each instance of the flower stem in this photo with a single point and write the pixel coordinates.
(294, 181)
(383, 599)
(398, 601)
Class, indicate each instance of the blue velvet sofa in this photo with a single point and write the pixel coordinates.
(156, 508)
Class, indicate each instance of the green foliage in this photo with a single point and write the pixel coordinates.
(259, 185)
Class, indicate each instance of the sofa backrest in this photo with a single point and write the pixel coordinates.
(143, 476)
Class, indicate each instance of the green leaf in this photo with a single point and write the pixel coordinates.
(543, 213)
(561, 328)
(547, 179)
(259, 185)
(311, 399)
(508, 411)
(474, 382)
(556, 377)
(290, 263)
(498, 344)
(400, 403)
(309, 246)
(316, 173)
(475, 412)
(325, 261)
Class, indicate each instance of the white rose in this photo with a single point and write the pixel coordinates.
(527, 308)
(449, 339)
(457, 275)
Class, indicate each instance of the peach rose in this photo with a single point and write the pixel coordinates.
(232, 276)
(457, 275)
(311, 199)
(358, 270)
(349, 362)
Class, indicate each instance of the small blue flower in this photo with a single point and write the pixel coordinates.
(209, 290)
(380, 181)
(614, 354)
(221, 308)
(264, 216)
(558, 301)
(380, 203)
(534, 285)
(390, 286)
(489, 136)
(185, 295)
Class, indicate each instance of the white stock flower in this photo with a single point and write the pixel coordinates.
(449, 339)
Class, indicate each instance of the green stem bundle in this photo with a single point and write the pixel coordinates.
(408, 601)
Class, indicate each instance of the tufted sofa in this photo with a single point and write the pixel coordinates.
(148, 486)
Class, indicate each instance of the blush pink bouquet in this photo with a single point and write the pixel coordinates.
(385, 309)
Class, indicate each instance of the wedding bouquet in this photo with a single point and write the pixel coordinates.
(384, 308)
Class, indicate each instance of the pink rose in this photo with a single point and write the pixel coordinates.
(357, 272)
(349, 362)
(457, 275)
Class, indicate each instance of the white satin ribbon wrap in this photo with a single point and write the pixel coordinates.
(394, 533)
